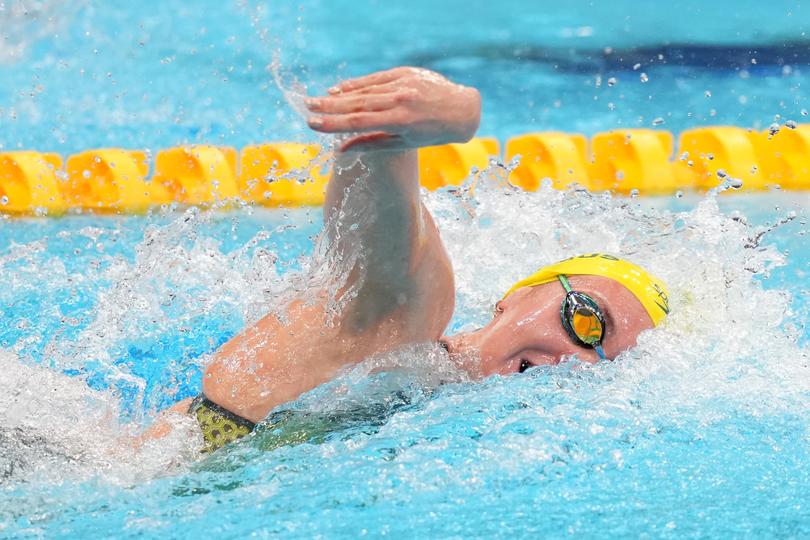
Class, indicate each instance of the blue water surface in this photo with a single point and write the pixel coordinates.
(557, 453)
(147, 75)
(547, 454)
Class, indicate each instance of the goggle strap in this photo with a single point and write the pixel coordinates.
(600, 352)
(564, 280)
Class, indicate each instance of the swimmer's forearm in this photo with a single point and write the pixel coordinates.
(393, 174)
(373, 209)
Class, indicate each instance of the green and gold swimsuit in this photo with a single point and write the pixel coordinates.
(285, 426)
(219, 426)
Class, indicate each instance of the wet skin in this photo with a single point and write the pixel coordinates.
(526, 329)
(402, 291)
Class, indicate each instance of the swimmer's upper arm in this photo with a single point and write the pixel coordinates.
(436, 280)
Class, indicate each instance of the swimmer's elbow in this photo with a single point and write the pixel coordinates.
(470, 110)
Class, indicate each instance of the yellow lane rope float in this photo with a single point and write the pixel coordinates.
(292, 174)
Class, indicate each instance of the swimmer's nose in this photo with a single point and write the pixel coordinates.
(455, 345)
(462, 353)
(444, 342)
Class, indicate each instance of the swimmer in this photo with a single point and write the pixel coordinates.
(401, 286)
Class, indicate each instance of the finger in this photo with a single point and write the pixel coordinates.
(377, 140)
(352, 103)
(379, 77)
(355, 122)
(384, 88)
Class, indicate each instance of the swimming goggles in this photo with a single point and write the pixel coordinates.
(582, 318)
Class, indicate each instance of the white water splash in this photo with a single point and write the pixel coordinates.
(290, 82)
(725, 339)
(54, 427)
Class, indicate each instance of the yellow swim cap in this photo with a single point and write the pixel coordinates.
(650, 291)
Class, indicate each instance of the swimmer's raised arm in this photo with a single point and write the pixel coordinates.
(401, 286)
(406, 281)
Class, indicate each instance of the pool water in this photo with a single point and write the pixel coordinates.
(143, 76)
(701, 430)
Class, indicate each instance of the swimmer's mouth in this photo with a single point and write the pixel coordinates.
(444, 345)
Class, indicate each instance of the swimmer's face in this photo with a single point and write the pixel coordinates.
(526, 330)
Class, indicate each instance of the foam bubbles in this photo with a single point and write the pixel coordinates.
(54, 427)
(728, 362)
(725, 337)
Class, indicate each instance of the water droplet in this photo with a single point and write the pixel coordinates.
(734, 183)
(721, 173)
(791, 124)
(707, 93)
(753, 169)
(612, 81)
(636, 67)
(643, 77)
(684, 156)
(4, 200)
(679, 194)
(710, 157)
(773, 129)
(634, 193)
(85, 174)
(658, 121)
(804, 112)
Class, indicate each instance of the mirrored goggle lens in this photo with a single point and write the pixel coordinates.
(586, 325)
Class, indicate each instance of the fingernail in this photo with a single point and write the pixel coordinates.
(334, 90)
(315, 122)
(310, 101)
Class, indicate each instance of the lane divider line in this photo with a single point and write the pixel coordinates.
(644, 161)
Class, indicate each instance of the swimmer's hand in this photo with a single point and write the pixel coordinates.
(398, 109)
